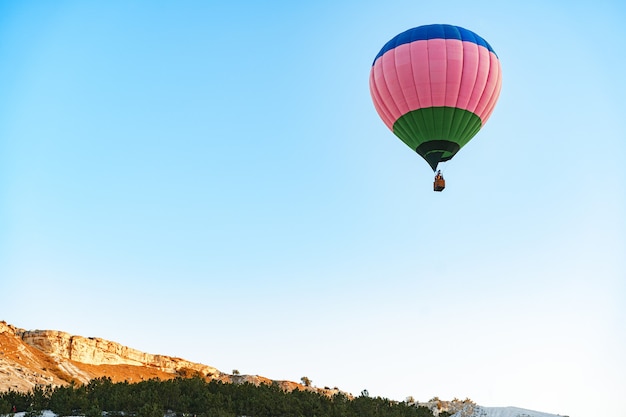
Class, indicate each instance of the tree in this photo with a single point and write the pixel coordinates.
(196, 396)
(94, 411)
(306, 381)
(150, 410)
(5, 406)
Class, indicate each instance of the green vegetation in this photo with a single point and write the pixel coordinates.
(188, 397)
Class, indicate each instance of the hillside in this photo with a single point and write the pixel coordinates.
(50, 357)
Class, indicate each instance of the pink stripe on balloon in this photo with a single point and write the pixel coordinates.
(492, 102)
(468, 77)
(454, 71)
(480, 80)
(420, 74)
(379, 104)
(437, 68)
(435, 72)
(493, 75)
(381, 96)
(404, 72)
(394, 87)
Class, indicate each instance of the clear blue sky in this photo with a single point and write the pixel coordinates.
(210, 180)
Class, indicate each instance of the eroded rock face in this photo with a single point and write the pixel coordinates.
(96, 351)
(49, 341)
(21, 366)
(51, 357)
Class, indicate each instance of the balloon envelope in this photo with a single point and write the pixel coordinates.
(434, 87)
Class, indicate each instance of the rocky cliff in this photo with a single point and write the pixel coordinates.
(50, 357)
(95, 351)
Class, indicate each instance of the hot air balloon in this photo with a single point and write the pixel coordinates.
(434, 87)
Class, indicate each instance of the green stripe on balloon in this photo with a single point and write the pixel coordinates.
(437, 125)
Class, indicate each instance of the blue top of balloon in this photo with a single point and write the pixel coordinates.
(436, 31)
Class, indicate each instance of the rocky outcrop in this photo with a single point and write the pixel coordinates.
(22, 366)
(51, 357)
(457, 407)
(96, 351)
